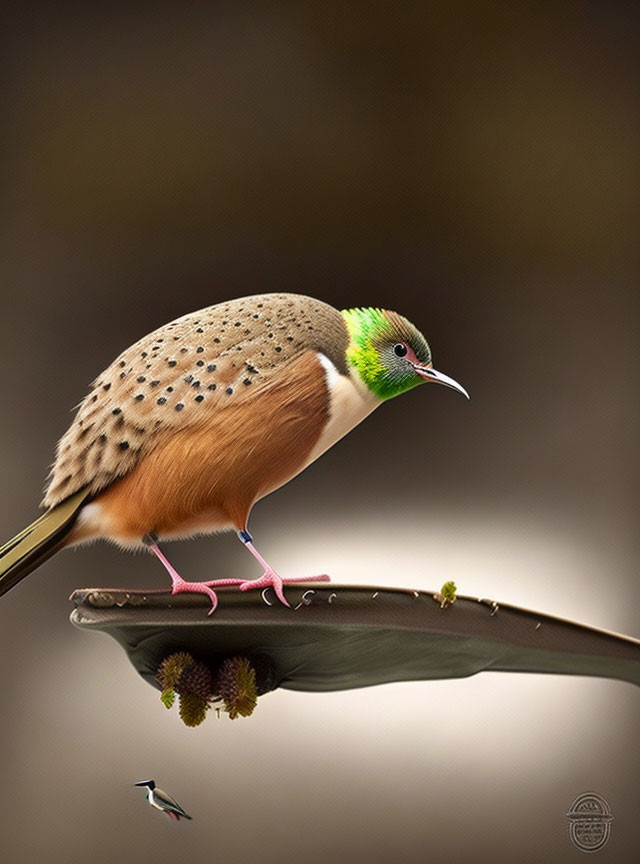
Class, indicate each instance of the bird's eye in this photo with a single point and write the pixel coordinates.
(400, 350)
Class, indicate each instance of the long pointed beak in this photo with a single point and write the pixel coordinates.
(142, 783)
(430, 374)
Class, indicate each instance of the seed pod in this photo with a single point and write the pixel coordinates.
(192, 709)
(235, 682)
(171, 668)
(195, 680)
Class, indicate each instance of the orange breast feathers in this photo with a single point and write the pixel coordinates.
(209, 474)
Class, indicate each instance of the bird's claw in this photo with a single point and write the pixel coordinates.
(270, 579)
(196, 588)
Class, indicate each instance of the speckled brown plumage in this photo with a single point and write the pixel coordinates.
(208, 474)
(184, 375)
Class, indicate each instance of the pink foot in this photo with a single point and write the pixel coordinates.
(270, 579)
(180, 586)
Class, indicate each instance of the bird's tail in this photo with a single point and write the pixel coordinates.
(177, 816)
(38, 541)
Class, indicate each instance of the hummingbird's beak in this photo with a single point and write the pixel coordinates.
(430, 374)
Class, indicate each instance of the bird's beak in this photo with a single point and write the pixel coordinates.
(142, 783)
(430, 374)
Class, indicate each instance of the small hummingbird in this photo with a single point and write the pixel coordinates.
(198, 420)
(161, 801)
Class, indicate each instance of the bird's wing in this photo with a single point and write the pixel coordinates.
(169, 804)
(177, 375)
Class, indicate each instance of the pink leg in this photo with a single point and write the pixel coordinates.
(270, 578)
(178, 583)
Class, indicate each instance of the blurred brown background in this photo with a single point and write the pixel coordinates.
(473, 165)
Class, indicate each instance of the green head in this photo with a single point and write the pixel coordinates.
(389, 353)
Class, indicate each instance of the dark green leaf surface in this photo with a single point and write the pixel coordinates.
(337, 637)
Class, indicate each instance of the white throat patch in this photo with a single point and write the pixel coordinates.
(350, 401)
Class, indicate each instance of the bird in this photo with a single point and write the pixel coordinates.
(197, 421)
(163, 802)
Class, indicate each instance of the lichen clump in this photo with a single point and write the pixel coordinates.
(234, 686)
(447, 594)
(169, 673)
